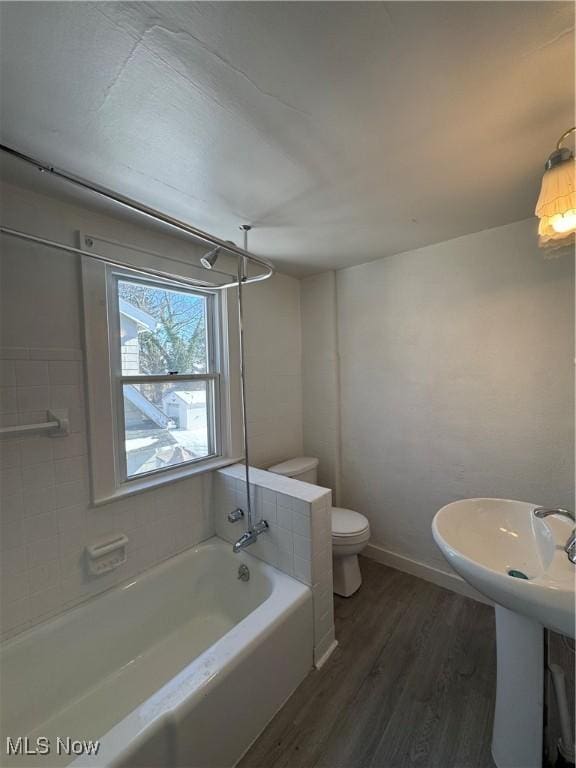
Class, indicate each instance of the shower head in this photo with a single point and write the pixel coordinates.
(209, 259)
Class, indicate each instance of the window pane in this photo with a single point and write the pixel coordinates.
(166, 424)
(161, 330)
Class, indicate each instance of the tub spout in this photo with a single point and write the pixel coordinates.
(250, 536)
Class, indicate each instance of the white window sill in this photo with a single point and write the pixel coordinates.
(141, 485)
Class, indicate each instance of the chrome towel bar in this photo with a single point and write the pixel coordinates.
(56, 426)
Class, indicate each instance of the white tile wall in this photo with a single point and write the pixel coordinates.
(45, 516)
(299, 540)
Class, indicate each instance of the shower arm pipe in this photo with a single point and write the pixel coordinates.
(241, 281)
(151, 213)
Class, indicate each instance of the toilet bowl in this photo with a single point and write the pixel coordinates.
(350, 534)
(350, 530)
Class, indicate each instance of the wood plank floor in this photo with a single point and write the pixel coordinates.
(412, 683)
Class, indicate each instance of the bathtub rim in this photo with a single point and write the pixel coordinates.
(159, 710)
(227, 650)
(213, 542)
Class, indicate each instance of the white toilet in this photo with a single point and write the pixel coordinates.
(350, 530)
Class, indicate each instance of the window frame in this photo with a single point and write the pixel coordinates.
(104, 378)
(212, 377)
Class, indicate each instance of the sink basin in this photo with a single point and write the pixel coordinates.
(487, 540)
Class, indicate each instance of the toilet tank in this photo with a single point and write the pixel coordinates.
(303, 468)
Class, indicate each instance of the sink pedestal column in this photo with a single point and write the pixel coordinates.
(519, 713)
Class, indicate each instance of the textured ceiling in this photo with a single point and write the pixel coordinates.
(342, 131)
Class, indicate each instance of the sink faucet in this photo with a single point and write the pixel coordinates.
(250, 536)
(570, 546)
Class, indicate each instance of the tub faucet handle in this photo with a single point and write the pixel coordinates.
(235, 515)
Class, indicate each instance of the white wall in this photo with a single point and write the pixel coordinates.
(457, 380)
(273, 370)
(45, 515)
(320, 384)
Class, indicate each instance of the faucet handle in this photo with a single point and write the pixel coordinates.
(235, 515)
(260, 527)
(570, 547)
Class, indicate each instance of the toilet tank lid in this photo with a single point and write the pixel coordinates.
(295, 466)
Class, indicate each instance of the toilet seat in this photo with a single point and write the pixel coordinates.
(348, 525)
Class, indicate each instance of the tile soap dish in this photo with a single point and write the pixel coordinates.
(106, 554)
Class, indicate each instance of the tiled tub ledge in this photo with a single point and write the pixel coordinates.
(299, 540)
(260, 478)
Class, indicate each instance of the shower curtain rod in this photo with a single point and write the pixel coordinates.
(145, 210)
(174, 276)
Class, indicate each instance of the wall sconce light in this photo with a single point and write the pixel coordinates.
(556, 206)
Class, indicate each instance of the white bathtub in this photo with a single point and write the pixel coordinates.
(183, 666)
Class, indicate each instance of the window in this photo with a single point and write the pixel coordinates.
(163, 394)
(168, 376)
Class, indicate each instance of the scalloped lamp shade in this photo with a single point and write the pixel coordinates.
(556, 206)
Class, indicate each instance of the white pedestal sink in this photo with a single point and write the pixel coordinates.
(518, 561)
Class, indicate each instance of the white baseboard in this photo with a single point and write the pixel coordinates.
(427, 572)
(326, 655)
